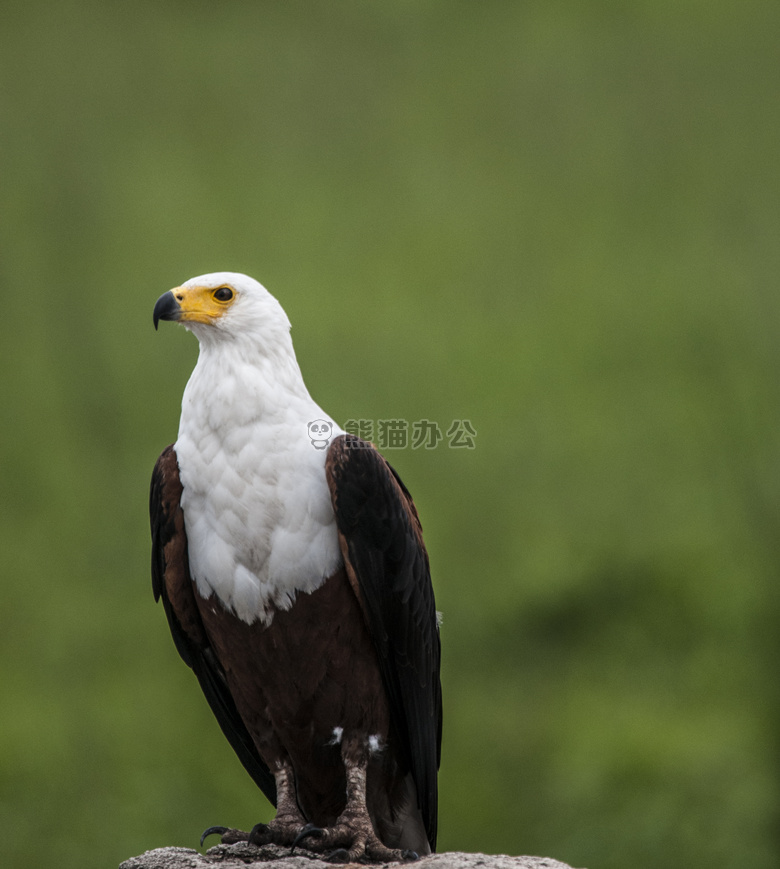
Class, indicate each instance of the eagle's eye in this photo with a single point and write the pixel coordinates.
(223, 294)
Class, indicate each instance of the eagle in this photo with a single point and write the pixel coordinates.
(290, 562)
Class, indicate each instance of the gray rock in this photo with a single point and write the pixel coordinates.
(244, 856)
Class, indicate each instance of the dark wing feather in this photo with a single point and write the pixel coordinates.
(381, 540)
(171, 581)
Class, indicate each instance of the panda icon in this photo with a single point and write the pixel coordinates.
(320, 431)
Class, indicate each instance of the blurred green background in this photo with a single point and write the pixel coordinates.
(557, 219)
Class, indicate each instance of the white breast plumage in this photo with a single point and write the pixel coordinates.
(257, 509)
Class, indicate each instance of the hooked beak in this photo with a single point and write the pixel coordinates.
(166, 307)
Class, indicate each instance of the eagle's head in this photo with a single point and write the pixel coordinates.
(225, 306)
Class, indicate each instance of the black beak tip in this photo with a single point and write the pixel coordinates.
(166, 308)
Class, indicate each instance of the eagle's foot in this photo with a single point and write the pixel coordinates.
(281, 831)
(351, 840)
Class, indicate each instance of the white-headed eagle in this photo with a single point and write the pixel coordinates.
(296, 585)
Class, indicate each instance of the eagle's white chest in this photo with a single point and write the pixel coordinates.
(257, 508)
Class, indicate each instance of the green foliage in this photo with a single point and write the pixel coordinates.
(555, 219)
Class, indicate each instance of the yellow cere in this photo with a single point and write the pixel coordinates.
(203, 304)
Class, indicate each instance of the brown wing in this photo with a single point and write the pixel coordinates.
(171, 581)
(381, 541)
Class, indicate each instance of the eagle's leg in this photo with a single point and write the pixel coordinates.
(352, 837)
(288, 821)
(284, 828)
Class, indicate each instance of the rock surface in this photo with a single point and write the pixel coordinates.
(241, 856)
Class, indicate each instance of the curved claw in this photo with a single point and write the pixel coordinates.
(212, 831)
(409, 856)
(304, 833)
